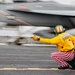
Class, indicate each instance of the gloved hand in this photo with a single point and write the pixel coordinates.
(35, 38)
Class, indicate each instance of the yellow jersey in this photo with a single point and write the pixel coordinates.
(64, 42)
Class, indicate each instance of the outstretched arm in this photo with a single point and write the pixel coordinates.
(54, 40)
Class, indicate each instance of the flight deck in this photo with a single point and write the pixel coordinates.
(29, 60)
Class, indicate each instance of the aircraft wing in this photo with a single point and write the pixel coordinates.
(44, 8)
(55, 12)
(43, 14)
(51, 12)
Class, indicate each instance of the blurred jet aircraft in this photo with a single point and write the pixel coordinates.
(20, 34)
(39, 14)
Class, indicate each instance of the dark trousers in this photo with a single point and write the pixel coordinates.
(72, 63)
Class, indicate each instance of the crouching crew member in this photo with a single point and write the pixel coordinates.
(64, 43)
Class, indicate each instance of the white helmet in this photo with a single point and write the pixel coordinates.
(59, 29)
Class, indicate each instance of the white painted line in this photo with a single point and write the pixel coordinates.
(33, 45)
(38, 45)
(3, 44)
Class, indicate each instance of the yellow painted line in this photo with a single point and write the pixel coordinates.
(29, 69)
(10, 68)
(33, 68)
(54, 69)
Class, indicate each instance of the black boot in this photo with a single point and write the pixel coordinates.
(72, 63)
(66, 67)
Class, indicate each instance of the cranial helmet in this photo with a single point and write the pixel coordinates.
(59, 29)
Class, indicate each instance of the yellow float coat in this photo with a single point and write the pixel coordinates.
(64, 42)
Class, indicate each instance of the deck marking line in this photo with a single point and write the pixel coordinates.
(29, 69)
(10, 68)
